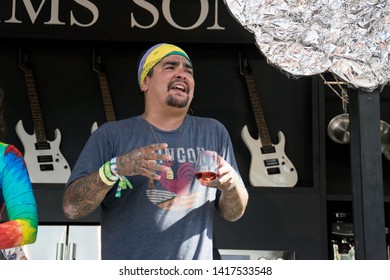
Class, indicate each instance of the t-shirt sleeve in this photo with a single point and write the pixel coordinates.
(18, 195)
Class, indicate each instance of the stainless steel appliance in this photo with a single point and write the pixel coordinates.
(342, 237)
(236, 254)
(65, 242)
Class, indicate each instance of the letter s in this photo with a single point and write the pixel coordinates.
(90, 6)
(149, 7)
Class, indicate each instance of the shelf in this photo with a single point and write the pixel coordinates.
(293, 190)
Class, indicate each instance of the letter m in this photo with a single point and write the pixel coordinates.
(32, 13)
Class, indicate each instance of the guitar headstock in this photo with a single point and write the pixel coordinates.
(243, 65)
(24, 60)
(97, 63)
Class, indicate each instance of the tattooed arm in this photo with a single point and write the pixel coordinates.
(233, 201)
(85, 194)
(234, 195)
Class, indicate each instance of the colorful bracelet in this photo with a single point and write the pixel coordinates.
(113, 166)
(108, 173)
(103, 177)
(123, 181)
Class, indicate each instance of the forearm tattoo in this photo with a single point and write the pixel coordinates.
(233, 202)
(84, 195)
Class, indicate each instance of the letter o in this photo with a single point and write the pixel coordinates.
(204, 5)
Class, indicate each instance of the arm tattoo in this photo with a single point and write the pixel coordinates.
(233, 202)
(83, 196)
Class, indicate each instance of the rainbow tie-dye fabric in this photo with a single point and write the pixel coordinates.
(17, 194)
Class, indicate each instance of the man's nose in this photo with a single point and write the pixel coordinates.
(181, 70)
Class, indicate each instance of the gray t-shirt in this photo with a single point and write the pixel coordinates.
(172, 219)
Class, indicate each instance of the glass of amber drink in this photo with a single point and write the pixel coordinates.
(206, 166)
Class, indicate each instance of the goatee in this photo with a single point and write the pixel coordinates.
(175, 102)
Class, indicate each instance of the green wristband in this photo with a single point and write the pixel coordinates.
(107, 172)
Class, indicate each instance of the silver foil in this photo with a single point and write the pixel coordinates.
(349, 38)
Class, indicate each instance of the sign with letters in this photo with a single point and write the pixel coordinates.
(122, 20)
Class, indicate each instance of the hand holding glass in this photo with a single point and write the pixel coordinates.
(206, 167)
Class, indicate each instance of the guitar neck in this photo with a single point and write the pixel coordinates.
(39, 127)
(106, 96)
(258, 111)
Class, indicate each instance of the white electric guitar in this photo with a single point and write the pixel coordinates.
(44, 161)
(270, 167)
(104, 90)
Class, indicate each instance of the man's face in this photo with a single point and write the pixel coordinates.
(171, 82)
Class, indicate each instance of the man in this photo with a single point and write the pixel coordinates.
(141, 171)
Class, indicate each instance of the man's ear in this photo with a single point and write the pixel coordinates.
(144, 86)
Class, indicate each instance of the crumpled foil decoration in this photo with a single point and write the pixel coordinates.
(350, 38)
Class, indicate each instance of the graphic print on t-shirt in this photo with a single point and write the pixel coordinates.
(175, 194)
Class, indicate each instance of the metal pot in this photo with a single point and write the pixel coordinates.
(338, 129)
(385, 136)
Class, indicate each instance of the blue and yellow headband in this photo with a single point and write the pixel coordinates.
(154, 55)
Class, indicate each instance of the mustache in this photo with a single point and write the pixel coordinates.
(171, 83)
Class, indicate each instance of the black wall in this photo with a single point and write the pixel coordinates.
(68, 88)
(295, 219)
